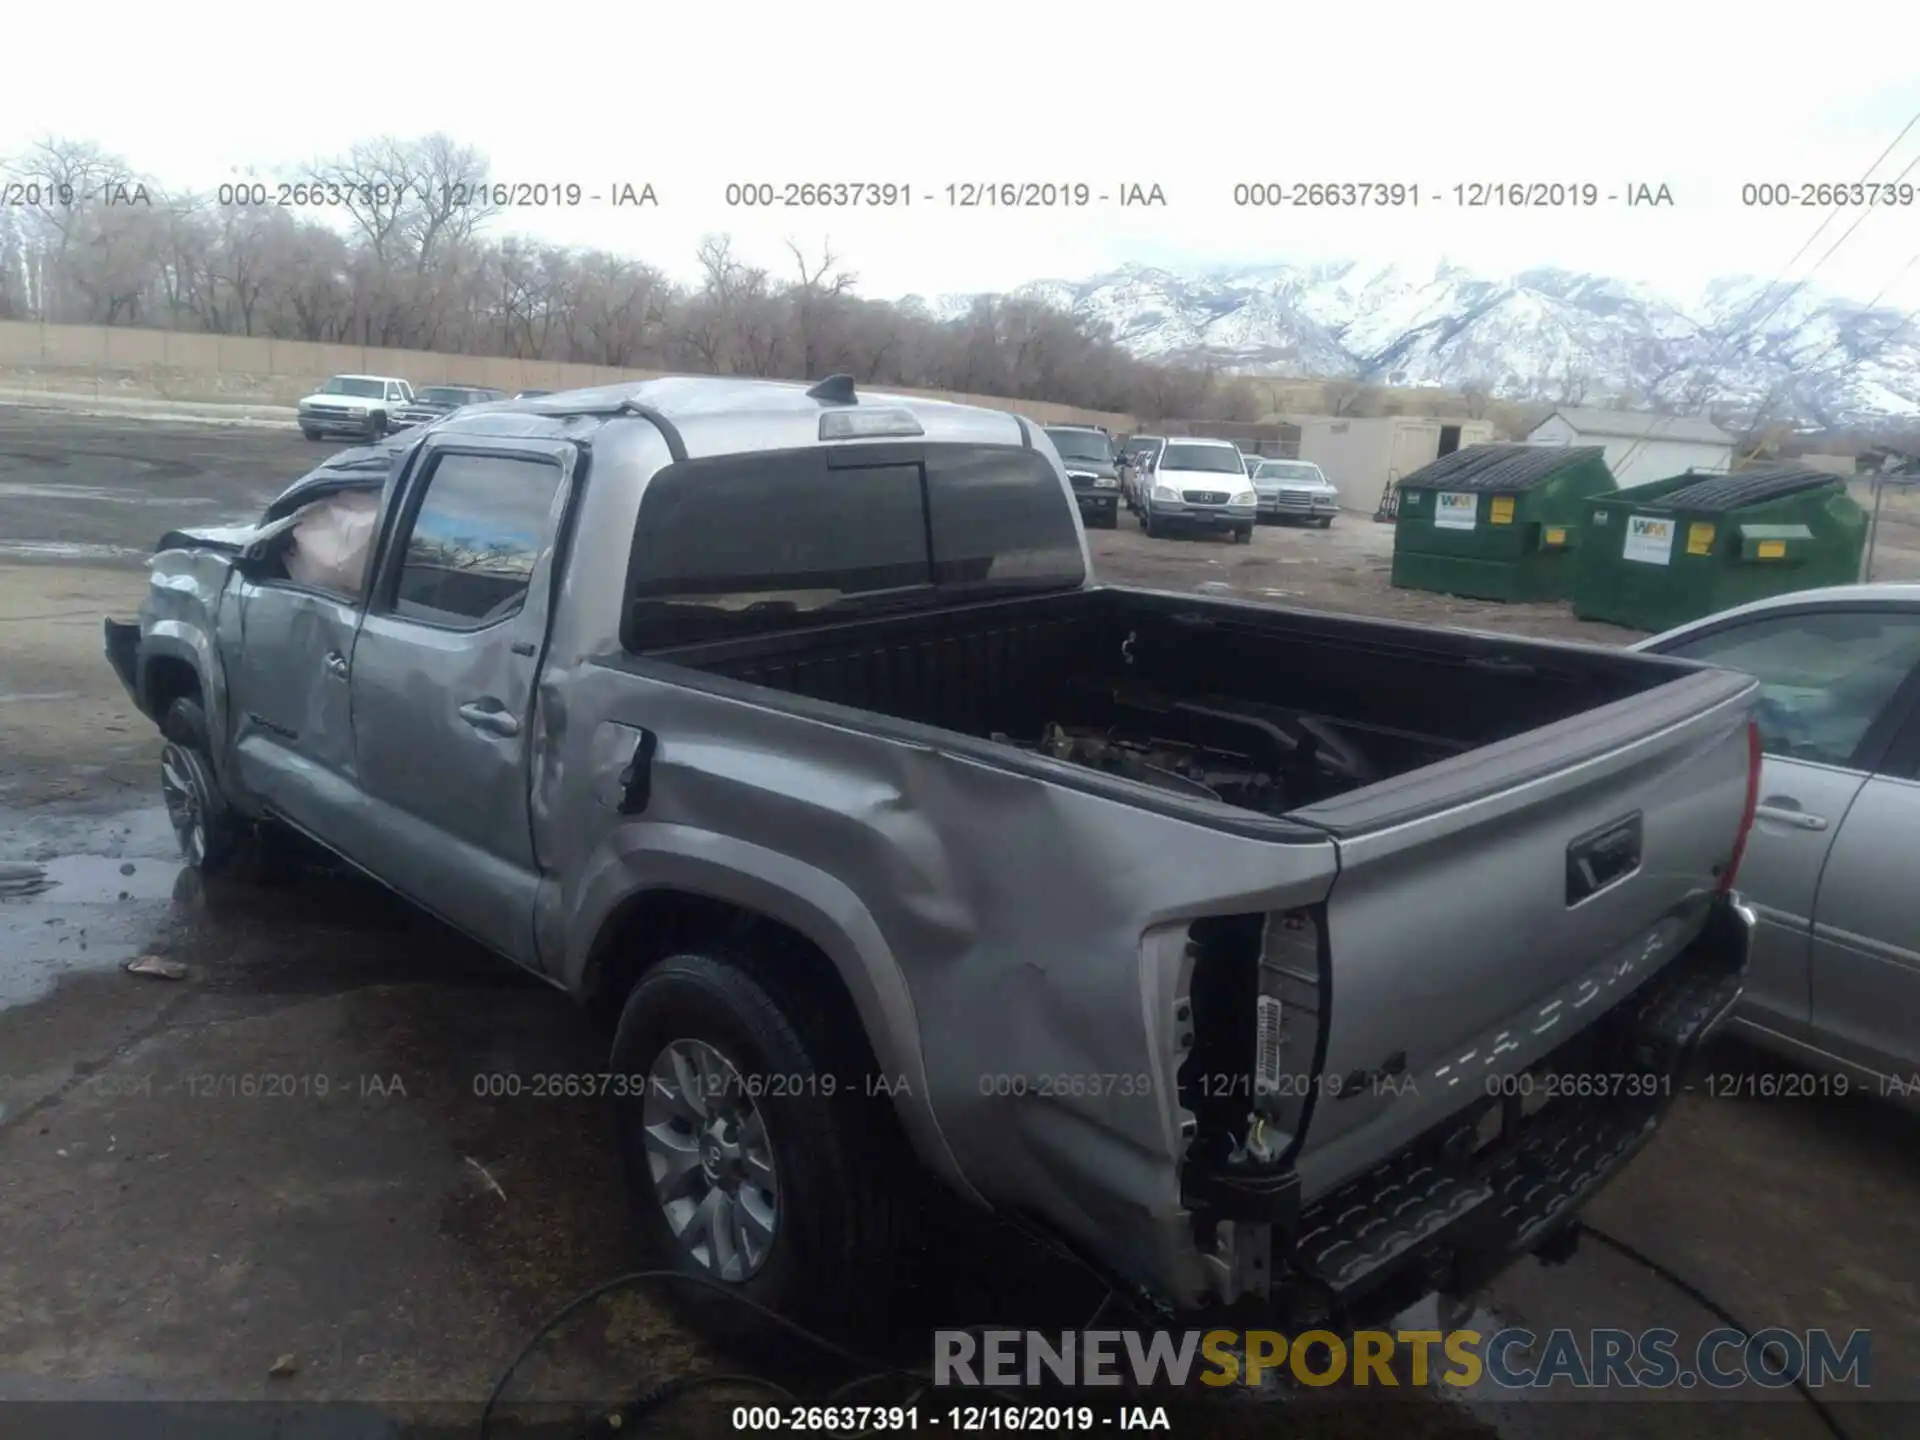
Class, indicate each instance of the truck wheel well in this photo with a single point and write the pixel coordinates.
(658, 923)
(168, 679)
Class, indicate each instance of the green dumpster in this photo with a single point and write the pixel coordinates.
(1497, 522)
(1661, 554)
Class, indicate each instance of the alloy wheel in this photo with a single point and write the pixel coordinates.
(711, 1159)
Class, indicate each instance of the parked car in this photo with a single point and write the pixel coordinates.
(1830, 865)
(801, 746)
(435, 402)
(1091, 469)
(1136, 459)
(359, 405)
(1199, 485)
(1294, 490)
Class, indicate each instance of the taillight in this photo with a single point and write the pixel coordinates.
(1732, 872)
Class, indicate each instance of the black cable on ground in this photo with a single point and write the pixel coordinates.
(874, 1369)
(1718, 1311)
(637, 1277)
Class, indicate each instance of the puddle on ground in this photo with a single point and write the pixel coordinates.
(80, 892)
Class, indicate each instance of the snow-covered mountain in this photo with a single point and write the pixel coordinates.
(1783, 353)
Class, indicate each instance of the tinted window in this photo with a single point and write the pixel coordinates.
(350, 385)
(1001, 515)
(1824, 676)
(441, 395)
(744, 544)
(478, 535)
(1213, 459)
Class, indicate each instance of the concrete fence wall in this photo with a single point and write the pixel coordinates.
(175, 365)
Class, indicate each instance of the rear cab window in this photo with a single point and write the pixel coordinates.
(750, 544)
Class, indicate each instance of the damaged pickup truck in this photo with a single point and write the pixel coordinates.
(1235, 946)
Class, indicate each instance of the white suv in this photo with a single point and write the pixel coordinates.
(1199, 485)
(358, 405)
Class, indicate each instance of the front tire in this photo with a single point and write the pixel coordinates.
(198, 811)
(793, 1194)
(377, 425)
(1243, 535)
(309, 432)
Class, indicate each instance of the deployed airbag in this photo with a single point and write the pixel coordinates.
(332, 539)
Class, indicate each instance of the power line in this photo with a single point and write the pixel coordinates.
(1735, 335)
(1899, 328)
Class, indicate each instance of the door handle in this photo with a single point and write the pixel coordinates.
(1791, 815)
(336, 664)
(488, 716)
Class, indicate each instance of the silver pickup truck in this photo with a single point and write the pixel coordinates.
(1251, 952)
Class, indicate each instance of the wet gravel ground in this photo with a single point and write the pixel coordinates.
(294, 1149)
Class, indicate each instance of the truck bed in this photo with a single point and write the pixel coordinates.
(1527, 834)
(1268, 710)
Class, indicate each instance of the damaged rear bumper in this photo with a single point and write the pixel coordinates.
(1503, 1178)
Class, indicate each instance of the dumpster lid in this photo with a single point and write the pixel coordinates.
(1748, 487)
(1500, 467)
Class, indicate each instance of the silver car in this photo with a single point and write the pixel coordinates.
(1832, 864)
(1294, 490)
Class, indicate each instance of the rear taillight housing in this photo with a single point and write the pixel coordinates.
(1731, 874)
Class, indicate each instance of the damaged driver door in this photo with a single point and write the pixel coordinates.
(443, 682)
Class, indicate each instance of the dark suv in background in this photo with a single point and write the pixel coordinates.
(437, 401)
(1087, 455)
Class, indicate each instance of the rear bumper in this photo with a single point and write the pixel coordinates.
(123, 654)
(1451, 1211)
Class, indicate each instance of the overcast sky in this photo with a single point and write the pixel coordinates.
(1194, 97)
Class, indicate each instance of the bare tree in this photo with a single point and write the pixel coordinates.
(815, 303)
(407, 257)
(1571, 385)
(1343, 397)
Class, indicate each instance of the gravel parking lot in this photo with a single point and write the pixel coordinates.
(291, 1150)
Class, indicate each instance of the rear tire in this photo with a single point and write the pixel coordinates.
(816, 1192)
(309, 433)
